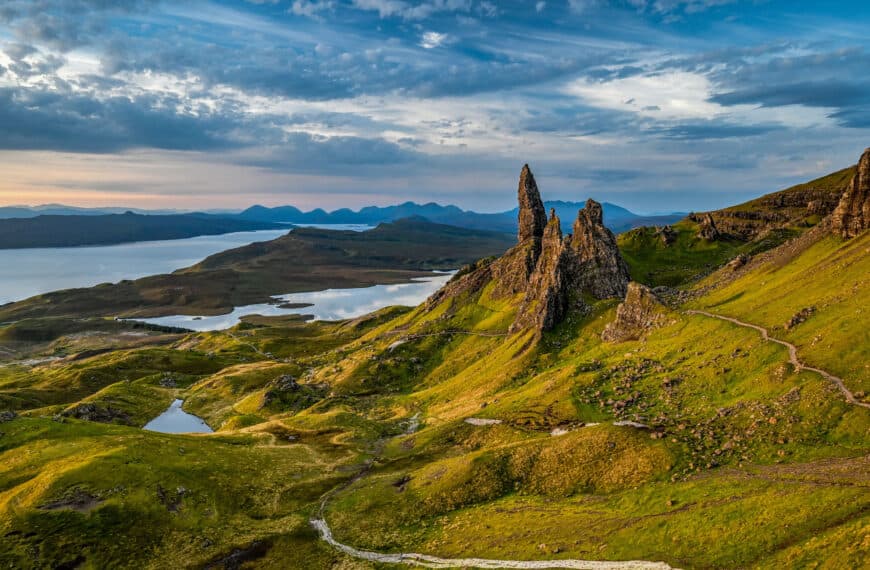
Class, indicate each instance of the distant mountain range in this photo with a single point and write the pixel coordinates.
(56, 225)
(617, 218)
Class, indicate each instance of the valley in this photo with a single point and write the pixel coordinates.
(694, 395)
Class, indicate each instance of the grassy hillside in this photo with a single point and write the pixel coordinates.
(433, 430)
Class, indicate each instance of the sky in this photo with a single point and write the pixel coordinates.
(656, 105)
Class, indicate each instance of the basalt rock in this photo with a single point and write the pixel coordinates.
(532, 217)
(546, 300)
(94, 413)
(597, 265)
(640, 312)
(708, 229)
(666, 234)
(551, 273)
(852, 215)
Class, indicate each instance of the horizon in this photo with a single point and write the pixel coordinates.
(655, 105)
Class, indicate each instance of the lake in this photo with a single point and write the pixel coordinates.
(176, 420)
(327, 305)
(28, 272)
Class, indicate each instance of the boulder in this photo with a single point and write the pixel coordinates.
(738, 262)
(640, 312)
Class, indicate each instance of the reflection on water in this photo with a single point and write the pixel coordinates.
(328, 305)
(176, 420)
(28, 272)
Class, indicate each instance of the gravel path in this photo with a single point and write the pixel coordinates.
(792, 355)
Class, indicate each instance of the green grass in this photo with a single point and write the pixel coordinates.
(830, 275)
(653, 263)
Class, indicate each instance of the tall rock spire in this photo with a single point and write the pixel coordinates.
(599, 267)
(546, 300)
(549, 275)
(852, 215)
(532, 217)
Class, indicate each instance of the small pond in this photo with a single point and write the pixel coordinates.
(176, 420)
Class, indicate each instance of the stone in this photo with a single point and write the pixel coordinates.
(532, 216)
(708, 230)
(639, 313)
(799, 317)
(93, 413)
(550, 273)
(738, 262)
(598, 267)
(667, 234)
(546, 300)
(852, 215)
(7, 416)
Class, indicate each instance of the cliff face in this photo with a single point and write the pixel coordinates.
(852, 215)
(552, 273)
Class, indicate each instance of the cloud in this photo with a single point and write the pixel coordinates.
(311, 9)
(432, 40)
(708, 130)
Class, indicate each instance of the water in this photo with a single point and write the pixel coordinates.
(28, 272)
(328, 305)
(176, 420)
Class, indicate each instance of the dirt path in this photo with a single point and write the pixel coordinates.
(414, 559)
(427, 561)
(792, 355)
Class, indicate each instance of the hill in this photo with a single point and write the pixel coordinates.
(540, 407)
(94, 229)
(306, 259)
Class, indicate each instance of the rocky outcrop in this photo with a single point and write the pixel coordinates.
(852, 215)
(640, 312)
(532, 217)
(667, 234)
(549, 272)
(546, 300)
(596, 264)
(94, 413)
(708, 230)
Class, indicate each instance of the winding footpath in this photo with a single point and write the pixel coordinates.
(792, 355)
(426, 561)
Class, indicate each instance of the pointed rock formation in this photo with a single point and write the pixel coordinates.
(552, 274)
(532, 217)
(641, 311)
(852, 215)
(514, 270)
(546, 300)
(598, 265)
